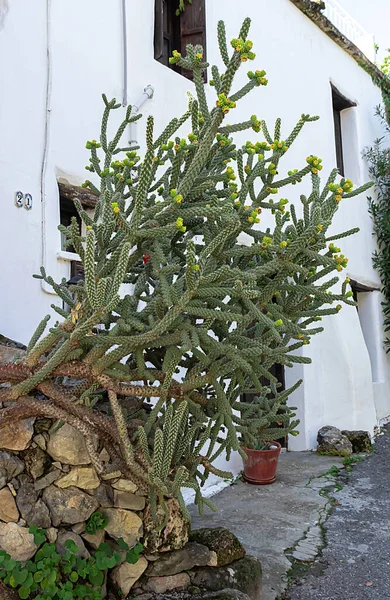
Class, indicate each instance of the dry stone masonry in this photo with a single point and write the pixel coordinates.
(46, 480)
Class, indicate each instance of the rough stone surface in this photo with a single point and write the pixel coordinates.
(17, 435)
(360, 440)
(67, 445)
(171, 563)
(95, 539)
(47, 479)
(270, 519)
(332, 442)
(10, 467)
(40, 441)
(78, 527)
(17, 541)
(32, 509)
(128, 500)
(81, 477)
(125, 575)
(68, 506)
(52, 534)
(36, 461)
(355, 562)
(160, 585)
(124, 485)
(10, 350)
(173, 536)
(123, 524)
(222, 541)
(70, 535)
(104, 494)
(227, 594)
(8, 509)
(243, 575)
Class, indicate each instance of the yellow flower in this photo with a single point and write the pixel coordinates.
(116, 209)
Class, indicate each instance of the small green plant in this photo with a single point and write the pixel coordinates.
(351, 460)
(181, 7)
(50, 575)
(96, 521)
(333, 471)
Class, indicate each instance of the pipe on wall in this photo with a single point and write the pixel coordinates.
(147, 95)
(46, 136)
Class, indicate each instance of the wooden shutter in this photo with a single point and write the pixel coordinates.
(193, 27)
(158, 29)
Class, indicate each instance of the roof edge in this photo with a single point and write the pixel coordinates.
(312, 9)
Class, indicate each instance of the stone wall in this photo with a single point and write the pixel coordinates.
(46, 480)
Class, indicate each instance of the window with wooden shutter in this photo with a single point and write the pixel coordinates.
(174, 32)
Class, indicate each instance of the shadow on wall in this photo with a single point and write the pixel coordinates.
(3, 12)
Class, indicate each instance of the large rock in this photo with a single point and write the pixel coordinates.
(332, 442)
(360, 440)
(81, 477)
(123, 524)
(63, 536)
(223, 542)
(33, 510)
(171, 563)
(173, 536)
(17, 541)
(17, 435)
(67, 445)
(128, 500)
(10, 466)
(160, 585)
(36, 461)
(125, 575)
(69, 506)
(243, 575)
(8, 509)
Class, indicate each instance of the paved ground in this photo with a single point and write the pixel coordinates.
(271, 519)
(355, 564)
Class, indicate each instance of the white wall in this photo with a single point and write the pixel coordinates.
(86, 59)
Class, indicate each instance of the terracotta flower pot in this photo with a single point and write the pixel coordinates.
(260, 465)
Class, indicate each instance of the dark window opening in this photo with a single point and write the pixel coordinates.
(339, 103)
(277, 371)
(67, 211)
(174, 32)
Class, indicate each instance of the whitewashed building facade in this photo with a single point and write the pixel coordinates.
(58, 56)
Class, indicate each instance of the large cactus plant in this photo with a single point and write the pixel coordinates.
(177, 307)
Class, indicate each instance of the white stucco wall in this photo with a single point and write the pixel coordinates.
(86, 60)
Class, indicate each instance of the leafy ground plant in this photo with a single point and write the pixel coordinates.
(50, 575)
(95, 522)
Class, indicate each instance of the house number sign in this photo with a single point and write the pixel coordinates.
(22, 199)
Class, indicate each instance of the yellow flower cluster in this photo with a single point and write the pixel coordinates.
(244, 48)
(224, 103)
(315, 163)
